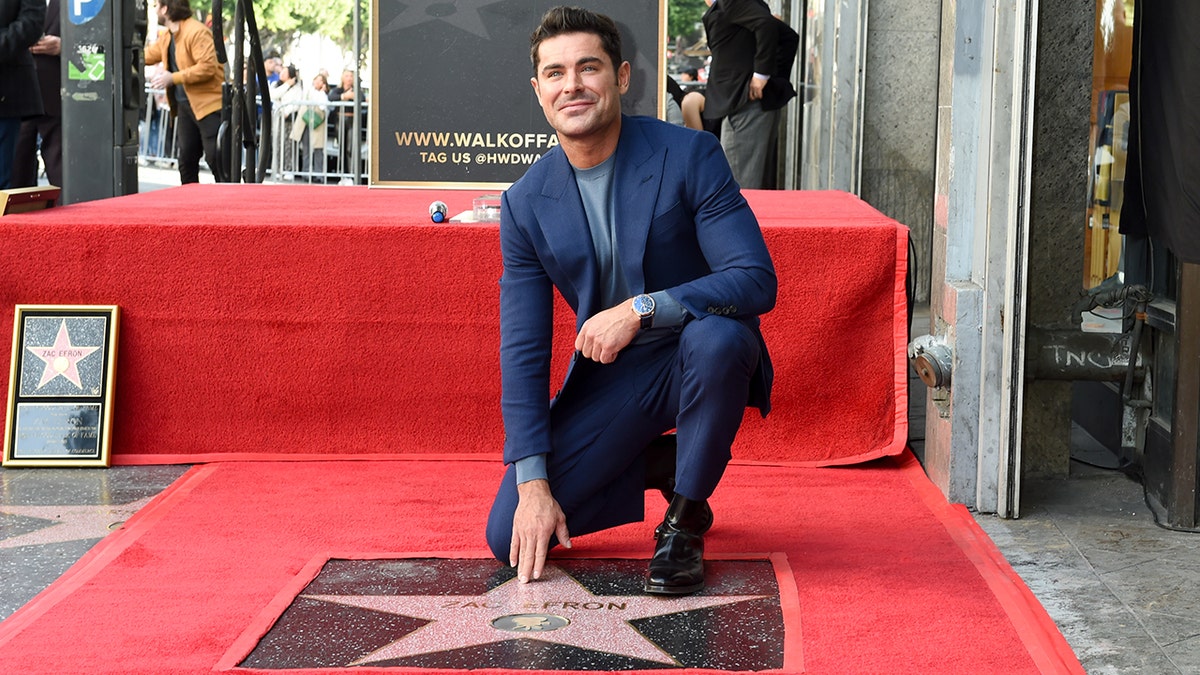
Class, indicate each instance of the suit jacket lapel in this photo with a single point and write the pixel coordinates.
(566, 230)
(639, 174)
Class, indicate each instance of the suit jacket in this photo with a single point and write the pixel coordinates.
(199, 71)
(20, 27)
(683, 227)
(48, 67)
(745, 38)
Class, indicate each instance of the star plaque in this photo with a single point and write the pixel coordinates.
(584, 614)
(61, 387)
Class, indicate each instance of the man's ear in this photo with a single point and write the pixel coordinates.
(533, 81)
(623, 76)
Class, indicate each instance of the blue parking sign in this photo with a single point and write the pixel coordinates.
(82, 11)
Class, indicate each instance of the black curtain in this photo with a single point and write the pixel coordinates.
(1162, 182)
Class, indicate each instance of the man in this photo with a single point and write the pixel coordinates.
(193, 80)
(49, 125)
(744, 39)
(273, 67)
(20, 25)
(639, 226)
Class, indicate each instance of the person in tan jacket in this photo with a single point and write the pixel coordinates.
(185, 48)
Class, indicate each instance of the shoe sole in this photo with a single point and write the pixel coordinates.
(657, 589)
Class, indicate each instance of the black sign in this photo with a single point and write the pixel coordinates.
(451, 101)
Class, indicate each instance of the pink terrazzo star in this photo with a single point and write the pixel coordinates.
(594, 622)
(62, 358)
(69, 523)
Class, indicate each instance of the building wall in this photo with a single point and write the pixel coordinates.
(900, 120)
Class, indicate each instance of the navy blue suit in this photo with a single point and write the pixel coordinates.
(682, 226)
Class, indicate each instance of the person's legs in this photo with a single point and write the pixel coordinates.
(10, 127)
(599, 429)
(717, 359)
(600, 424)
(607, 415)
(747, 136)
(190, 143)
(24, 167)
(50, 129)
(209, 126)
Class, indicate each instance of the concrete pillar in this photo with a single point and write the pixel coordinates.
(1058, 204)
(900, 120)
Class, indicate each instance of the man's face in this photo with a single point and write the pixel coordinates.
(162, 13)
(576, 84)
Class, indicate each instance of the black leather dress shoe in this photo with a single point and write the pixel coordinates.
(677, 567)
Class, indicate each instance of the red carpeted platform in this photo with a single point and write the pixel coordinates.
(879, 574)
(287, 323)
(272, 321)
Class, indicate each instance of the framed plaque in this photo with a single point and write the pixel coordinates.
(60, 390)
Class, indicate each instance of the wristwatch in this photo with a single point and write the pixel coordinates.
(643, 306)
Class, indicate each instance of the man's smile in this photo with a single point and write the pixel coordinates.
(576, 104)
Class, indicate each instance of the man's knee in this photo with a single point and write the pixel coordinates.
(499, 536)
(500, 519)
(720, 340)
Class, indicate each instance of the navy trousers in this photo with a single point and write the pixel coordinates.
(603, 419)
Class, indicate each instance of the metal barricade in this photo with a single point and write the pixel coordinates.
(313, 143)
(311, 140)
(156, 142)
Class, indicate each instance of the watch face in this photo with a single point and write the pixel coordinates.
(643, 305)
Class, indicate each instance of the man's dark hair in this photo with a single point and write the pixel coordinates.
(563, 20)
(178, 10)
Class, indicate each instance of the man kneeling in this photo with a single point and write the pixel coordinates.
(642, 229)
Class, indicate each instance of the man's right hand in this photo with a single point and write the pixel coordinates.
(47, 45)
(537, 519)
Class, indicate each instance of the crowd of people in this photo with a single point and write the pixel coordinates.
(737, 96)
(308, 115)
(182, 62)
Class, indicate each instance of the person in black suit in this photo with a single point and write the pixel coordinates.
(20, 26)
(49, 125)
(744, 40)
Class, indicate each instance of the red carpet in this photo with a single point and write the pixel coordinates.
(310, 322)
(888, 578)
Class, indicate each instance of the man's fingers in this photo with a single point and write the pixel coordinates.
(514, 550)
(527, 562)
(539, 560)
(564, 537)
